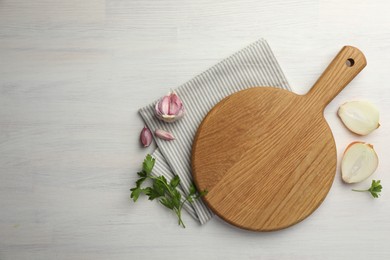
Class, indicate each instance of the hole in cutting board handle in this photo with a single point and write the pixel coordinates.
(350, 62)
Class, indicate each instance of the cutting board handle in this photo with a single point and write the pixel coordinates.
(344, 67)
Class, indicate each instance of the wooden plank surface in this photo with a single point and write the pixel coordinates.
(72, 76)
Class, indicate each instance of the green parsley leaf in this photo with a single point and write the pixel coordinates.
(190, 199)
(162, 179)
(204, 193)
(176, 199)
(148, 164)
(167, 203)
(142, 174)
(159, 187)
(192, 189)
(140, 181)
(151, 193)
(135, 192)
(374, 190)
(175, 181)
(167, 192)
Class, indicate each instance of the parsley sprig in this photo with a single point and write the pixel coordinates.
(166, 192)
(375, 188)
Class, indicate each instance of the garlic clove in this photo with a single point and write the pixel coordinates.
(146, 137)
(164, 135)
(164, 105)
(176, 104)
(360, 117)
(169, 108)
(173, 109)
(359, 162)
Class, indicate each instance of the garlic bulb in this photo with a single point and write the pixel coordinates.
(146, 137)
(359, 162)
(169, 108)
(164, 135)
(360, 117)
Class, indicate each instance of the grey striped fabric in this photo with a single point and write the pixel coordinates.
(253, 66)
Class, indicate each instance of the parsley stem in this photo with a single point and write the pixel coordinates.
(177, 210)
(181, 205)
(180, 220)
(360, 190)
(166, 192)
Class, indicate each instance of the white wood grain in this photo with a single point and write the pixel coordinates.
(72, 76)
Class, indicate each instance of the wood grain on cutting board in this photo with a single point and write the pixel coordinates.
(266, 155)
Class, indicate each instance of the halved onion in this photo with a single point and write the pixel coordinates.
(359, 162)
(360, 117)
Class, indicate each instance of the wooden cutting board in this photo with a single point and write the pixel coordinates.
(267, 156)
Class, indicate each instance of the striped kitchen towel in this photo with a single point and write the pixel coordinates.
(253, 66)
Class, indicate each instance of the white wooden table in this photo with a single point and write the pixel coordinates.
(72, 76)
